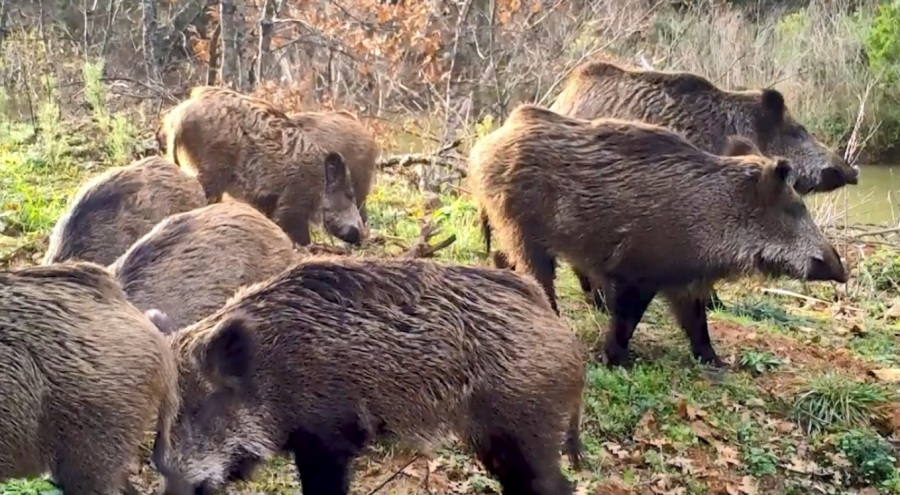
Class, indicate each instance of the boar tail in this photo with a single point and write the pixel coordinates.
(485, 231)
(573, 438)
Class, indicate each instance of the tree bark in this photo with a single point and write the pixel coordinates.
(4, 18)
(212, 71)
(233, 16)
(150, 39)
(263, 58)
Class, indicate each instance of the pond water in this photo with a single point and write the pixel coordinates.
(875, 200)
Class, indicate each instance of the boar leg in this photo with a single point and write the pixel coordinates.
(324, 454)
(517, 446)
(593, 291)
(628, 303)
(542, 267)
(689, 307)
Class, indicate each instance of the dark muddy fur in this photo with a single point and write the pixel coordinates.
(83, 375)
(735, 146)
(627, 204)
(115, 208)
(251, 151)
(335, 353)
(191, 263)
(341, 132)
(706, 115)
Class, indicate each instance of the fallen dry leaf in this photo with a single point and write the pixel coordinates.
(894, 310)
(688, 411)
(748, 486)
(702, 431)
(798, 465)
(887, 375)
(727, 455)
(616, 450)
(612, 488)
(643, 431)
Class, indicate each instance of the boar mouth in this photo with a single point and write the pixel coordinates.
(835, 178)
(821, 270)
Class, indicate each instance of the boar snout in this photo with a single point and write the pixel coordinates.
(827, 267)
(351, 235)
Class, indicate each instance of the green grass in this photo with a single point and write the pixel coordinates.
(835, 399)
(664, 417)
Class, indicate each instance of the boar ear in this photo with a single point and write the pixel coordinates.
(739, 145)
(335, 168)
(774, 177)
(773, 108)
(162, 321)
(228, 357)
(782, 169)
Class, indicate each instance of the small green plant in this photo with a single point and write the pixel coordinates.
(759, 361)
(836, 399)
(883, 41)
(94, 90)
(765, 310)
(39, 486)
(882, 271)
(760, 462)
(484, 127)
(120, 139)
(871, 457)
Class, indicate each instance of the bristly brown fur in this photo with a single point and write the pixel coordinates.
(84, 374)
(191, 263)
(706, 115)
(115, 208)
(249, 150)
(334, 353)
(628, 205)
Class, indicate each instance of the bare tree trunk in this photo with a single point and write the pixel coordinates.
(150, 39)
(234, 37)
(4, 18)
(110, 19)
(263, 59)
(212, 71)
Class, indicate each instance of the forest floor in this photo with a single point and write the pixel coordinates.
(809, 404)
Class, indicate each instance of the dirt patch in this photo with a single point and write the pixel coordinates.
(809, 357)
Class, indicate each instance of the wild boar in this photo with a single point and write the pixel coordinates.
(191, 263)
(340, 131)
(706, 115)
(83, 374)
(334, 353)
(112, 210)
(627, 204)
(251, 151)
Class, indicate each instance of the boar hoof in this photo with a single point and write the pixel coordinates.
(710, 358)
(614, 356)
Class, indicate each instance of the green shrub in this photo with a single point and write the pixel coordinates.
(871, 457)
